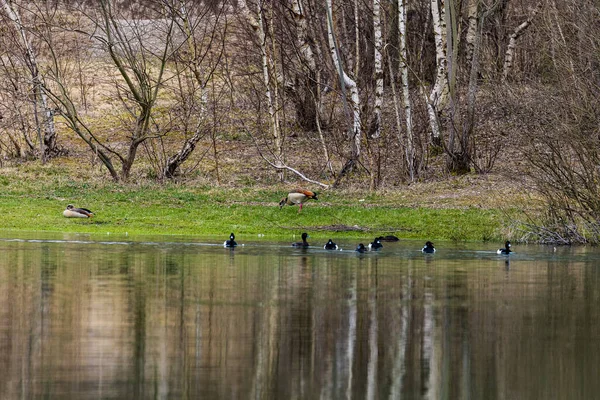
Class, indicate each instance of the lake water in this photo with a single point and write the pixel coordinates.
(155, 318)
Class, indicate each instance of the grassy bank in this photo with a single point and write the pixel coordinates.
(34, 201)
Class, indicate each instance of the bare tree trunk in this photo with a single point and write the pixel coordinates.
(140, 74)
(176, 160)
(259, 28)
(512, 42)
(306, 91)
(314, 85)
(472, 7)
(451, 67)
(357, 37)
(279, 137)
(69, 112)
(47, 141)
(140, 81)
(314, 79)
(469, 123)
(201, 78)
(375, 131)
(346, 83)
(437, 96)
(302, 35)
(403, 66)
(401, 141)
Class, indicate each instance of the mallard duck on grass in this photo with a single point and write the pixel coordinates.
(73, 212)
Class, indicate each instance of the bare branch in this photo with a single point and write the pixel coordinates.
(280, 165)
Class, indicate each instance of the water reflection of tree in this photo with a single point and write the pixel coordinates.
(191, 320)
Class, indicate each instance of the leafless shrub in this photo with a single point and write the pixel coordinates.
(564, 156)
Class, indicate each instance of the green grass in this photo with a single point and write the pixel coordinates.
(36, 204)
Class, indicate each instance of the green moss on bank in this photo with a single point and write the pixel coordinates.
(176, 209)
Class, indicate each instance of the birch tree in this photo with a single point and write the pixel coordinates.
(458, 154)
(437, 97)
(309, 110)
(512, 42)
(306, 87)
(258, 26)
(346, 83)
(43, 113)
(472, 7)
(403, 67)
(18, 126)
(378, 46)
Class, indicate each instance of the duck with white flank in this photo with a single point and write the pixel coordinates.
(297, 197)
(231, 242)
(376, 244)
(428, 248)
(73, 212)
(506, 250)
(330, 245)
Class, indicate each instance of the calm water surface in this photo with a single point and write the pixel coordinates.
(89, 318)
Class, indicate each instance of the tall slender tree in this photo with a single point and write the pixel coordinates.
(43, 113)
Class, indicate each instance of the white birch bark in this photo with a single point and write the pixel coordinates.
(271, 100)
(347, 83)
(472, 28)
(512, 42)
(308, 57)
(438, 94)
(356, 38)
(430, 353)
(403, 66)
(399, 366)
(378, 45)
(31, 61)
(372, 376)
(302, 34)
(351, 337)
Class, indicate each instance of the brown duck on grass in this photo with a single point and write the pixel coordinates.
(298, 197)
(72, 212)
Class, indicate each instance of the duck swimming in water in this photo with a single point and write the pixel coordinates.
(330, 245)
(73, 212)
(376, 244)
(303, 243)
(361, 248)
(231, 242)
(428, 248)
(506, 249)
